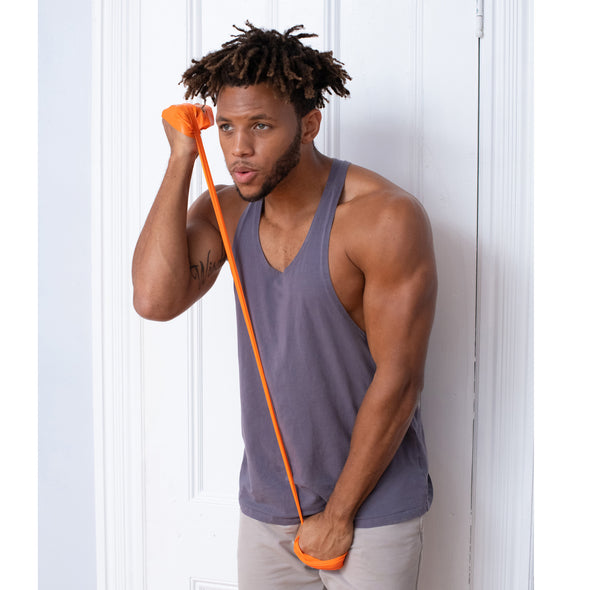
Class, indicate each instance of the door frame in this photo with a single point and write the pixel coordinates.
(116, 329)
(501, 547)
(502, 495)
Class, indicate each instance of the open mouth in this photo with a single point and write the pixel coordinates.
(243, 174)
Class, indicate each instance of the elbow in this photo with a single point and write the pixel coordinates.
(401, 390)
(407, 401)
(410, 394)
(150, 309)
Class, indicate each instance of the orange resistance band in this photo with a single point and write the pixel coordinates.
(189, 119)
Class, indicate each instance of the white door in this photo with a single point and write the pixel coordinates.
(412, 117)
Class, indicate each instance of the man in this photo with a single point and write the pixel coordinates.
(338, 268)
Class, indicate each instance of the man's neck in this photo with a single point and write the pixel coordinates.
(300, 192)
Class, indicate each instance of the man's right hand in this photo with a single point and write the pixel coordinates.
(186, 119)
(181, 145)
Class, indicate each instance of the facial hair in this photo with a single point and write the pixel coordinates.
(286, 162)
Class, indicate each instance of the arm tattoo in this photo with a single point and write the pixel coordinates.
(204, 269)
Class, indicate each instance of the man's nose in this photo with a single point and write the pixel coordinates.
(242, 144)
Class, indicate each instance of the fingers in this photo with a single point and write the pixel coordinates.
(189, 118)
(182, 122)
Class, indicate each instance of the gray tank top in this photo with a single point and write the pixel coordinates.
(318, 367)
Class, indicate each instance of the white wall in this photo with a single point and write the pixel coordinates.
(66, 486)
(66, 462)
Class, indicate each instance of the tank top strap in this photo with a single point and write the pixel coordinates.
(330, 200)
(246, 235)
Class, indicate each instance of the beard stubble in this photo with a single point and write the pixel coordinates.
(282, 167)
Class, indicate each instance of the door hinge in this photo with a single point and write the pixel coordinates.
(479, 18)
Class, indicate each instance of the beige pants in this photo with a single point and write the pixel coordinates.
(381, 558)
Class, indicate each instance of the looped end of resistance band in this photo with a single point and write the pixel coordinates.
(189, 118)
(318, 564)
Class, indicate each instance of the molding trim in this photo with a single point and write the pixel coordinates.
(197, 485)
(273, 13)
(417, 146)
(209, 585)
(117, 332)
(503, 438)
(194, 36)
(331, 114)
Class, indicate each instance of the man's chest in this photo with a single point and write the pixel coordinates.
(282, 247)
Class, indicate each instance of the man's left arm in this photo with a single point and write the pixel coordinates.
(398, 307)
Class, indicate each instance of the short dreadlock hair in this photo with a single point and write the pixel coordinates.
(300, 74)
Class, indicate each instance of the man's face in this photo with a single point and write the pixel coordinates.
(260, 136)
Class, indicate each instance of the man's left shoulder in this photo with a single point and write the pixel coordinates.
(385, 227)
(373, 202)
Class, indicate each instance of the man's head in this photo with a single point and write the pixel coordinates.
(298, 73)
(268, 88)
(261, 137)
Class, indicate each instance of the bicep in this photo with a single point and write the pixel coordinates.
(398, 319)
(400, 296)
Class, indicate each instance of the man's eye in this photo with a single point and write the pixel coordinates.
(224, 127)
(261, 126)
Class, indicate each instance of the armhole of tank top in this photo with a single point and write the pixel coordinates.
(325, 264)
(331, 291)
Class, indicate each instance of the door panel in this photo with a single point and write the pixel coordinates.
(412, 117)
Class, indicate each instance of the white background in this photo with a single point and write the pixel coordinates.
(412, 116)
(66, 445)
(61, 209)
(562, 289)
(560, 40)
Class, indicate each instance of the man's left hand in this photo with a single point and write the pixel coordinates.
(323, 538)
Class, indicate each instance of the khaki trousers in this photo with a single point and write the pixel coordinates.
(380, 558)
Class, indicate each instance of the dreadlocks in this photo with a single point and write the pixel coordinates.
(298, 73)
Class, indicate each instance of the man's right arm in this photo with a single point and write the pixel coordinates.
(178, 254)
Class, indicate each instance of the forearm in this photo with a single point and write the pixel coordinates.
(161, 266)
(381, 424)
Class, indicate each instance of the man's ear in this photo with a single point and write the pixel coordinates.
(310, 126)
